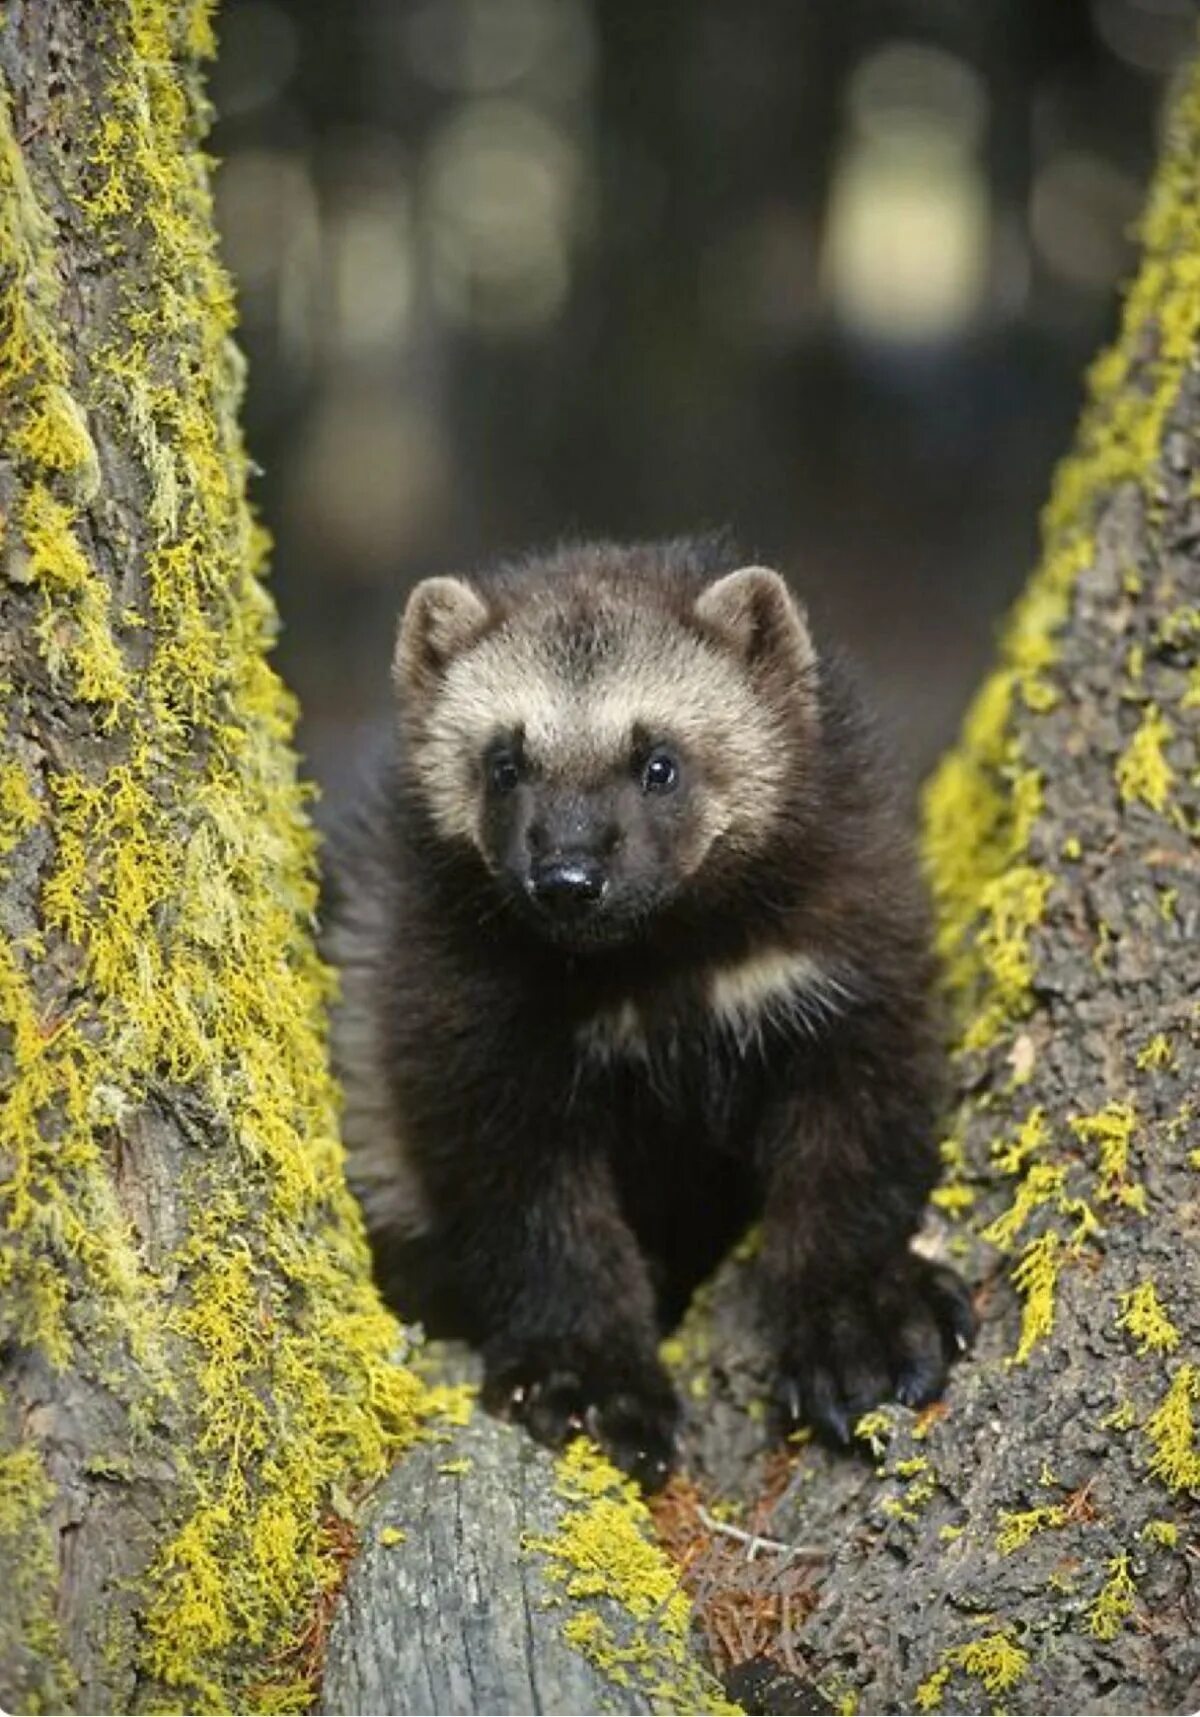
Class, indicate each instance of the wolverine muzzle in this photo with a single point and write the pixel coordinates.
(567, 884)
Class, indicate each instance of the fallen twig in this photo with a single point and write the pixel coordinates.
(754, 1541)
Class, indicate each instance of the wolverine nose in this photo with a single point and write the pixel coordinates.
(567, 884)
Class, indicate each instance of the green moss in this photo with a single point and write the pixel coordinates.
(604, 1550)
(178, 899)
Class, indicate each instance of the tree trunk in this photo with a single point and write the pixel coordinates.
(1032, 1544)
(191, 1352)
(1037, 1542)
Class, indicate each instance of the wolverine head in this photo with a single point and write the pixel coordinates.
(605, 728)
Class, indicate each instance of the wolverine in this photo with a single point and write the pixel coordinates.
(633, 953)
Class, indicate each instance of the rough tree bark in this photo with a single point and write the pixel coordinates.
(190, 1354)
(1032, 1546)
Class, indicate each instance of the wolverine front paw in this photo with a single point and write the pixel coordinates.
(890, 1339)
(559, 1392)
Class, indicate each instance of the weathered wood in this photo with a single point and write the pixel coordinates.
(455, 1616)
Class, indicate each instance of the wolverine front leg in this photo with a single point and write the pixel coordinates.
(565, 1313)
(858, 1318)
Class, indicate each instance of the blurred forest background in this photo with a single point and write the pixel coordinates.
(826, 271)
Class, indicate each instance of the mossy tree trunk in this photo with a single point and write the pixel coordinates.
(1036, 1546)
(191, 1356)
(1031, 1546)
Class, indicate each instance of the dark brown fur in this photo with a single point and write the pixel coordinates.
(557, 1122)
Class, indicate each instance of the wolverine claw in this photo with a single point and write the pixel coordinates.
(893, 1338)
(633, 1415)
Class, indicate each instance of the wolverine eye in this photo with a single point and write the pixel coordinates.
(660, 772)
(503, 772)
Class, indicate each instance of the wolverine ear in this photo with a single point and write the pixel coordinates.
(442, 618)
(757, 616)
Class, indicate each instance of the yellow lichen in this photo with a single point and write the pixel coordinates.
(1032, 1135)
(876, 1429)
(1114, 1601)
(1164, 1533)
(1035, 1278)
(1143, 772)
(1155, 1055)
(930, 1693)
(1123, 1417)
(450, 1404)
(604, 1551)
(1039, 695)
(1112, 1130)
(920, 1487)
(996, 1660)
(1171, 1430)
(1043, 1187)
(1018, 1526)
(953, 1197)
(54, 435)
(20, 808)
(1145, 1317)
